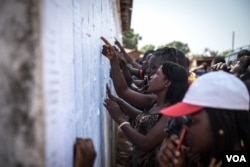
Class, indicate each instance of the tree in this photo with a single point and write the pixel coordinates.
(178, 45)
(147, 47)
(210, 52)
(224, 53)
(130, 39)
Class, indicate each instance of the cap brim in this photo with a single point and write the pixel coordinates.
(181, 109)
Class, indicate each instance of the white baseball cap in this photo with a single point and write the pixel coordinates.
(218, 89)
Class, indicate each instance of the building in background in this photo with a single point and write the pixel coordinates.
(197, 61)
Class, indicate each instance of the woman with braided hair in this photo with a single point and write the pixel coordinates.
(216, 106)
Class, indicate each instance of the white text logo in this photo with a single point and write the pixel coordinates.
(236, 158)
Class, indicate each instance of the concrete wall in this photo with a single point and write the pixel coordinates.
(21, 112)
(53, 80)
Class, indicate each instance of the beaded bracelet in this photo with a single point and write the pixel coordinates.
(122, 124)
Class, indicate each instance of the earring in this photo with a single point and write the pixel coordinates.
(221, 132)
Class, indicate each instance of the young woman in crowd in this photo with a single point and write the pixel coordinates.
(135, 98)
(168, 85)
(216, 106)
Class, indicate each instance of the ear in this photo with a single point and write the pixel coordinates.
(167, 83)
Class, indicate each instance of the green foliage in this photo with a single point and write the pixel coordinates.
(185, 49)
(178, 45)
(130, 39)
(147, 47)
(214, 53)
(224, 53)
(210, 52)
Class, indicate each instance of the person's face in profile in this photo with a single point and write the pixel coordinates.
(158, 81)
(145, 63)
(237, 69)
(199, 135)
(153, 65)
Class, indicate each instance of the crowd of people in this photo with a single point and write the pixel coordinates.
(176, 116)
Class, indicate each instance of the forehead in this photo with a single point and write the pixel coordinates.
(200, 114)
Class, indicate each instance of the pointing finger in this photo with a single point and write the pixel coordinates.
(105, 41)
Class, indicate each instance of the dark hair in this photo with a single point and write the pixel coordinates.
(246, 79)
(244, 62)
(145, 55)
(235, 125)
(181, 58)
(179, 81)
(187, 64)
(242, 53)
(166, 54)
(219, 59)
(148, 52)
(171, 54)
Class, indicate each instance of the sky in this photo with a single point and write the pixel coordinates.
(199, 23)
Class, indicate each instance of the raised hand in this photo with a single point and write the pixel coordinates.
(84, 153)
(108, 50)
(118, 44)
(220, 66)
(123, 55)
(114, 110)
(109, 94)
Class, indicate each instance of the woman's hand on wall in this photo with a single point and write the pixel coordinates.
(114, 110)
(108, 49)
(110, 95)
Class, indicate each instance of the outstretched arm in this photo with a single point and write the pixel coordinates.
(126, 56)
(129, 110)
(143, 142)
(149, 141)
(122, 89)
(126, 73)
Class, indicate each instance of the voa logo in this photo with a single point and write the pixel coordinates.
(236, 158)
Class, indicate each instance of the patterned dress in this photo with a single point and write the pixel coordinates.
(143, 124)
